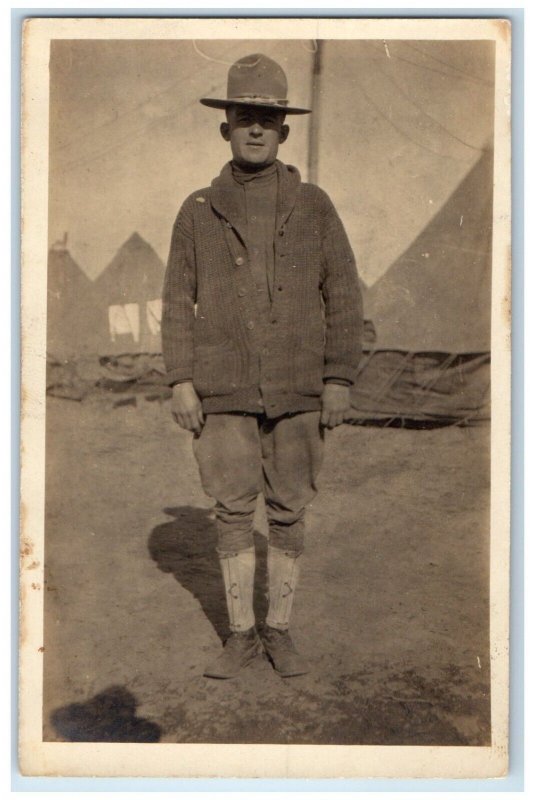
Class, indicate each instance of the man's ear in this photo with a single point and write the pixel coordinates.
(225, 131)
(285, 131)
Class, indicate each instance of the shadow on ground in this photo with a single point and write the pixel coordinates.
(186, 547)
(110, 716)
(375, 706)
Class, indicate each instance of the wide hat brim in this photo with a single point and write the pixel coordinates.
(274, 105)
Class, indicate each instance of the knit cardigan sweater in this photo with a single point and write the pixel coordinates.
(213, 332)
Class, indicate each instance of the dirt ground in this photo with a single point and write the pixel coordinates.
(392, 609)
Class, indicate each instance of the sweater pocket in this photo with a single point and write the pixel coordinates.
(215, 370)
(308, 371)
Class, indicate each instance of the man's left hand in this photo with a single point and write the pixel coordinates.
(335, 401)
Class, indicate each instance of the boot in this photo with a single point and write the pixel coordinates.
(243, 643)
(282, 653)
(239, 650)
(283, 574)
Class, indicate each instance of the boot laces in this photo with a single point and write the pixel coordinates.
(281, 639)
(238, 640)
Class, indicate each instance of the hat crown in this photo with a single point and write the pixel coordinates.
(256, 80)
(257, 77)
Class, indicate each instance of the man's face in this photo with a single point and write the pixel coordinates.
(254, 134)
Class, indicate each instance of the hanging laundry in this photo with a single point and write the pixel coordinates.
(154, 315)
(124, 320)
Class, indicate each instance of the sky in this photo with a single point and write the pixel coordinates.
(399, 125)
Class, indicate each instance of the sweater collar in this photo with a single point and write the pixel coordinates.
(226, 201)
(258, 177)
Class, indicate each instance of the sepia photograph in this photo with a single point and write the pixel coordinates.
(265, 398)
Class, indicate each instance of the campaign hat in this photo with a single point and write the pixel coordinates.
(256, 80)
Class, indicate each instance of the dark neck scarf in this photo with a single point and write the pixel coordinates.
(245, 175)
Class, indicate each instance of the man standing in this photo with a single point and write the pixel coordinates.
(261, 329)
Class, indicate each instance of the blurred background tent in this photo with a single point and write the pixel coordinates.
(401, 139)
(71, 306)
(431, 314)
(436, 295)
(128, 294)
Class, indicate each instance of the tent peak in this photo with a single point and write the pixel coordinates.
(136, 247)
(134, 274)
(135, 239)
(436, 295)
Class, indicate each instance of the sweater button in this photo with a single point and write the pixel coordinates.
(241, 292)
(250, 325)
(265, 351)
(239, 261)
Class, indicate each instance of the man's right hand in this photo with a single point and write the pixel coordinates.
(186, 407)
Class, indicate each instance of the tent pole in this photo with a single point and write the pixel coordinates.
(313, 128)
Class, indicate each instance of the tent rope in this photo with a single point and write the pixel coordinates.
(391, 379)
(404, 133)
(130, 138)
(364, 361)
(461, 76)
(128, 112)
(426, 115)
(132, 110)
(468, 75)
(482, 400)
(431, 382)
